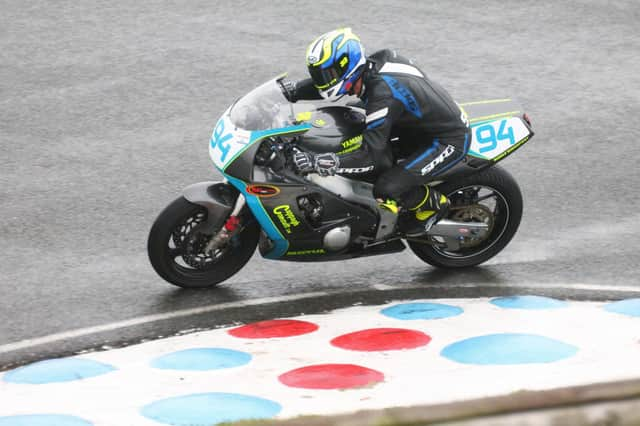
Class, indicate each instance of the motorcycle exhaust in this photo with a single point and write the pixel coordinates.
(453, 229)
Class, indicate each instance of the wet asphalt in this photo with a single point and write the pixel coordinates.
(106, 110)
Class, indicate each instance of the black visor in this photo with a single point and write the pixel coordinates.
(325, 77)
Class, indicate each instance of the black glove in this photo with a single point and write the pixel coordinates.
(288, 89)
(303, 162)
(324, 164)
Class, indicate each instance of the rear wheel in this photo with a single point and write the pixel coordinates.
(177, 242)
(492, 197)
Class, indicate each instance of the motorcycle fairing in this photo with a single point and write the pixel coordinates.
(280, 244)
(233, 149)
(497, 128)
(228, 143)
(226, 149)
(286, 225)
(496, 132)
(335, 128)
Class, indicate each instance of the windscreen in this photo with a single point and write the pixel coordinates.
(265, 107)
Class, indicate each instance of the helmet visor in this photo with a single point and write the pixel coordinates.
(324, 78)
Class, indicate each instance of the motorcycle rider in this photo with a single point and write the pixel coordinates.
(401, 104)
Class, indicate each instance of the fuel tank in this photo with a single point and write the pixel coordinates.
(335, 129)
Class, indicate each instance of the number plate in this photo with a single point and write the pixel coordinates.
(492, 139)
(226, 142)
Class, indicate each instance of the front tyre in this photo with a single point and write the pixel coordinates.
(176, 247)
(491, 196)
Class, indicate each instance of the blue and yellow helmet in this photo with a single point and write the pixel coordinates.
(335, 61)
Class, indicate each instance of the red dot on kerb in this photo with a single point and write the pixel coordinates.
(331, 376)
(273, 328)
(382, 339)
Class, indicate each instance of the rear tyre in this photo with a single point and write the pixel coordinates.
(176, 247)
(492, 196)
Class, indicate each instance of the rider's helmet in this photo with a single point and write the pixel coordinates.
(335, 61)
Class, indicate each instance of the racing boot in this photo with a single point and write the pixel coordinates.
(419, 219)
(390, 205)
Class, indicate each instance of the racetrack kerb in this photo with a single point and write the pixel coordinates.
(620, 400)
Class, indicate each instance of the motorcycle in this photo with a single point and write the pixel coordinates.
(211, 231)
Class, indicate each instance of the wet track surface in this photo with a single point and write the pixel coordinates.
(106, 111)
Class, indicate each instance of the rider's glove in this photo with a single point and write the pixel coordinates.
(303, 162)
(326, 164)
(288, 89)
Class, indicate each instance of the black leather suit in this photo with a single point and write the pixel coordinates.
(409, 118)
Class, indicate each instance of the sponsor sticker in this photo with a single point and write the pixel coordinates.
(263, 190)
(286, 217)
(305, 252)
(351, 145)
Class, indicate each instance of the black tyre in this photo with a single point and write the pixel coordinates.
(492, 196)
(176, 247)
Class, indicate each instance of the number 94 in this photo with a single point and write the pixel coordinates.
(486, 135)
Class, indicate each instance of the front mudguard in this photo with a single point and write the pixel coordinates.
(219, 198)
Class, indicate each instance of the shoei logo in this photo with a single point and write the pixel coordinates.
(315, 52)
(286, 217)
(438, 160)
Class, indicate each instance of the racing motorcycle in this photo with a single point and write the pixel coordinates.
(211, 231)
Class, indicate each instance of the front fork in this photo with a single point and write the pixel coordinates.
(232, 226)
(223, 203)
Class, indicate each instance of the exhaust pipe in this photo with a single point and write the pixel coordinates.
(453, 229)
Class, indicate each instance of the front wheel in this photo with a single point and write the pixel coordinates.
(491, 196)
(176, 247)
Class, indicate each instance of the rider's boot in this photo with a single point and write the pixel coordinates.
(419, 219)
(390, 205)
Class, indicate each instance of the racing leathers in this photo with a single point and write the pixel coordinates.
(408, 118)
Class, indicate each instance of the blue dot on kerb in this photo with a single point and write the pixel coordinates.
(416, 311)
(528, 302)
(43, 420)
(508, 348)
(201, 359)
(57, 370)
(210, 409)
(630, 307)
